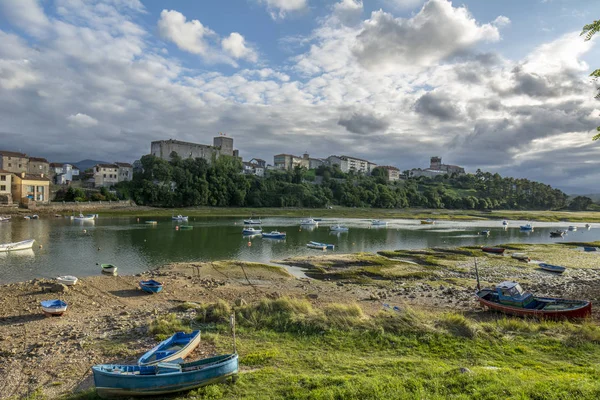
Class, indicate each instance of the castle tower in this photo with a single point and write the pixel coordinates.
(225, 144)
(436, 163)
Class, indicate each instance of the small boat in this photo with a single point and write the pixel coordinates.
(251, 231)
(505, 223)
(23, 245)
(327, 246)
(428, 221)
(135, 380)
(5, 219)
(377, 222)
(180, 345)
(252, 222)
(527, 227)
(108, 268)
(338, 228)
(53, 307)
(587, 226)
(151, 286)
(495, 250)
(151, 222)
(179, 218)
(316, 246)
(274, 235)
(521, 257)
(318, 219)
(557, 233)
(484, 233)
(186, 227)
(552, 268)
(82, 217)
(588, 248)
(67, 280)
(309, 221)
(509, 298)
(572, 228)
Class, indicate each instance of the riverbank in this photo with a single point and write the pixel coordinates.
(320, 338)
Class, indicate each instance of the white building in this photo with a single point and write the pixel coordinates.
(125, 171)
(253, 169)
(63, 173)
(348, 164)
(106, 175)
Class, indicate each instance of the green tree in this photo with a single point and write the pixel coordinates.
(580, 203)
(589, 31)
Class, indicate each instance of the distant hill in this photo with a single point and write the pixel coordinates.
(85, 164)
(594, 196)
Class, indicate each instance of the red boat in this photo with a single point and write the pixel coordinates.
(509, 298)
(496, 250)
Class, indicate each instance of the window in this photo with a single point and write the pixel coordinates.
(20, 165)
(40, 166)
(9, 164)
(3, 188)
(3, 178)
(105, 175)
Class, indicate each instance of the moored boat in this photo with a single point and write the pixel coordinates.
(186, 227)
(82, 217)
(23, 245)
(251, 231)
(54, 307)
(180, 345)
(136, 380)
(108, 268)
(377, 222)
(274, 235)
(521, 257)
(179, 218)
(589, 248)
(67, 280)
(252, 222)
(327, 246)
(496, 250)
(309, 221)
(316, 246)
(5, 219)
(557, 233)
(572, 228)
(587, 226)
(428, 221)
(151, 222)
(552, 268)
(338, 228)
(484, 233)
(151, 286)
(527, 227)
(509, 298)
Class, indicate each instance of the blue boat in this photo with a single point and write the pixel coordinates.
(552, 268)
(151, 286)
(53, 307)
(527, 227)
(274, 235)
(251, 231)
(327, 246)
(485, 233)
(163, 378)
(178, 346)
(587, 248)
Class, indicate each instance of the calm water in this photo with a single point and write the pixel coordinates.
(135, 246)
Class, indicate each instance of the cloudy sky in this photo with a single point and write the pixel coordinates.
(497, 85)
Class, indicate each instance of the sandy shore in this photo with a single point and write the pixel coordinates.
(109, 317)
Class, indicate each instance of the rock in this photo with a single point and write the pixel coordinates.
(55, 288)
(124, 313)
(374, 296)
(340, 284)
(464, 370)
(312, 296)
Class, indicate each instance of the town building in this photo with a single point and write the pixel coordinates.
(260, 162)
(289, 161)
(125, 171)
(348, 164)
(62, 174)
(5, 187)
(314, 163)
(13, 161)
(222, 146)
(30, 187)
(435, 164)
(253, 169)
(38, 165)
(106, 175)
(391, 173)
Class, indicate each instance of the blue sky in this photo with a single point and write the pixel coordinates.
(496, 85)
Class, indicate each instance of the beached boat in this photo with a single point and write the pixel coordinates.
(552, 268)
(252, 222)
(67, 280)
(527, 227)
(151, 286)
(505, 223)
(428, 221)
(34, 216)
(309, 221)
(496, 250)
(180, 345)
(484, 233)
(108, 268)
(163, 378)
(23, 245)
(509, 298)
(251, 231)
(274, 235)
(377, 222)
(327, 246)
(557, 233)
(316, 246)
(5, 219)
(338, 228)
(179, 218)
(521, 257)
(572, 228)
(589, 248)
(53, 307)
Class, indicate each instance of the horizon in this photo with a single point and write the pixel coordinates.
(498, 87)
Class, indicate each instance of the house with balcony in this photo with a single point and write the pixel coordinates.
(28, 188)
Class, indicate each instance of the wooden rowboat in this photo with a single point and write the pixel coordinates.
(552, 268)
(521, 257)
(108, 268)
(163, 378)
(509, 298)
(23, 245)
(53, 307)
(151, 286)
(180, 345)
(427, 222)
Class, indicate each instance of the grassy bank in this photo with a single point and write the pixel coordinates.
(291, 349)
(345, 212)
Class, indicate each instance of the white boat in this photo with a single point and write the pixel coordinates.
(521, 257)
(587, 226)
(82, 217)
(319, 246)
(339, 228)
(572, 228)
(180, 218)
(24, 245)
(5, 219)
(377, 222)
(309, 221)
(251, 231)
(67, 280)
(252, 222)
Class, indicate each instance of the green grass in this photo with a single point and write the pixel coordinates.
(165, 326)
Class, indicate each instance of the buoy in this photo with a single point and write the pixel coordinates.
(98, 248)
(144, 240)
(177, 227)
(84, 231)
(40, 246)
(138, 220)
(249, 244)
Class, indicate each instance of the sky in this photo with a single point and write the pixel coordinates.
(502, 86)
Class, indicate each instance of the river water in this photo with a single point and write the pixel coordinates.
(64, 246)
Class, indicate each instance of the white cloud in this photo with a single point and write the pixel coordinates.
(189, 36)
(278, 9)
(501, 21)
(81, 120)
(348, 12)
(405, 4)
(235, 45)
(27, 15)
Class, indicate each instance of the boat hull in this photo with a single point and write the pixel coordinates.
(151, 286)
(67, 280)
(108, 268)
(583, 311)
(552, 268)
(189, 341)
(114, 384)
(54, 307)
(23, 245)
